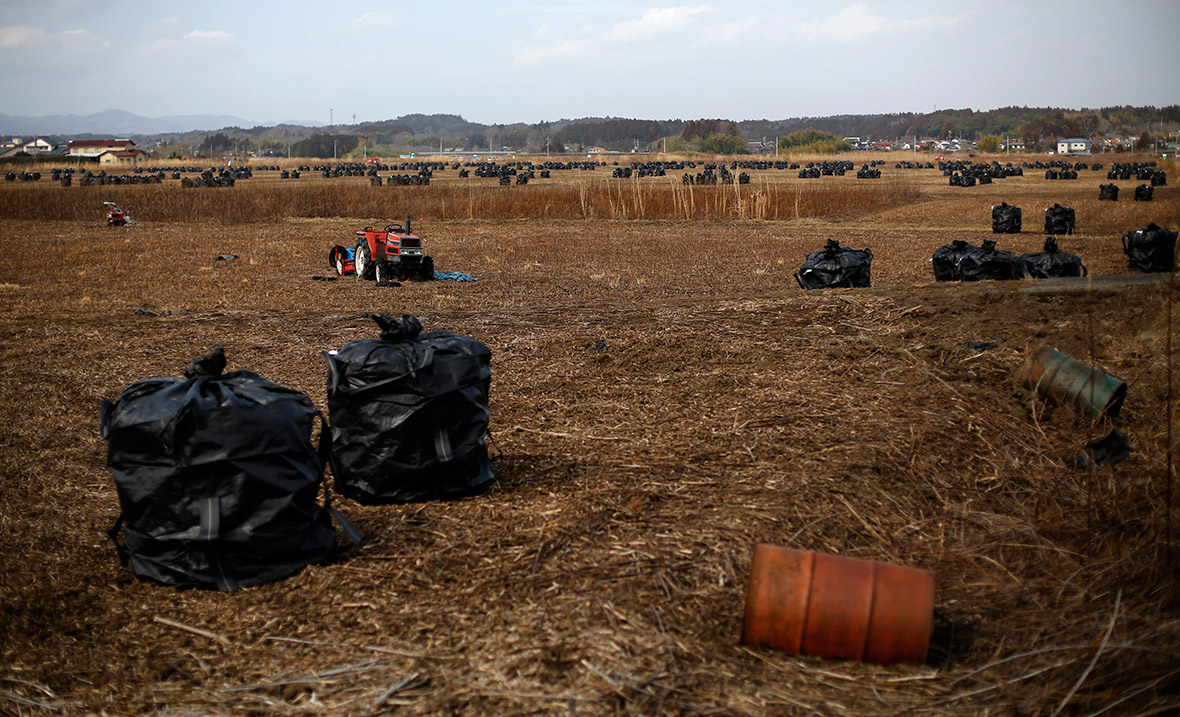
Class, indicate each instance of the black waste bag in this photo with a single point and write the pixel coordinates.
(1108, 192)
(1144, 193)
(1005, 219)
(1059, 220)
(946, 260)
(1152, 249)
(409, 414)
(986, 262)
(1051, 263)
(217, 478)
(835, 266)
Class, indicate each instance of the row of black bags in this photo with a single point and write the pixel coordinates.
(1148, 250)
(1006, 219)
(1151, 249)
(961, 261)
(218, 479)
(1110, 193)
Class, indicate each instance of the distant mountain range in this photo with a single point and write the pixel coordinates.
(123, 124)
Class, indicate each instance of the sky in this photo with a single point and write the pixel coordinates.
(505, 61)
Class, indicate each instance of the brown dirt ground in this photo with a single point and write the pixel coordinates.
(605, 571)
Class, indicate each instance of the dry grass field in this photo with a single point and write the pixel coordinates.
(605, 571)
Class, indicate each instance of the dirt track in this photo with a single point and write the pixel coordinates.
(605, 571)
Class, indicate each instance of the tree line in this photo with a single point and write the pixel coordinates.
(1037, 127)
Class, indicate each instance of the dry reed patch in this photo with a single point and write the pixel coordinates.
(590, 200)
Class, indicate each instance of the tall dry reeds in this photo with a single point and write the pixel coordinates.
(622, 199)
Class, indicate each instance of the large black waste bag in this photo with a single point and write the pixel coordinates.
(946, 260)
(217, 479)
(409, 414)
(834, 266)
(1108, 192)
(1059, 220)
(1144, 193)
(1152, 249)
(1005, 219)
(986, 262)
(1051, 263)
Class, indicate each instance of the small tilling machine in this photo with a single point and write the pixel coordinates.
(392, 253)
(117, 217)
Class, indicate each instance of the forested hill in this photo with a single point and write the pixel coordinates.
(1029, 123)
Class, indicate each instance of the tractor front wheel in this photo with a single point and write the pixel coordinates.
(426, 268)
(365, 268)
(384, 272)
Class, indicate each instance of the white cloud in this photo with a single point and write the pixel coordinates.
(540, 55)
(657, 22)
(857, 23)
(211, 36)
(370, 21)
(614, 44)
(20, 36)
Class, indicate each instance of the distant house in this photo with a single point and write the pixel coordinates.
(96, 147)
(33, 147)
(596, 150)
(1076, 145)
(882, 146)
(122, 157)
(37, 146)
(1016, 145)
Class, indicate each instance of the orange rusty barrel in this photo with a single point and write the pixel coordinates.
(835, 607)
(1061, 377)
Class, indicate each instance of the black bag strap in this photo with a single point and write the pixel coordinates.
(324, 451)
(120, 548)
(492, 439)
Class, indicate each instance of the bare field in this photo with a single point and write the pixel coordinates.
(605, 571)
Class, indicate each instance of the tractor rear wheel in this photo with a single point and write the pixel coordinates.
(365, 268)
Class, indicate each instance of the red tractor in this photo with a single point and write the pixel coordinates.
(392, 253)
(117, 217)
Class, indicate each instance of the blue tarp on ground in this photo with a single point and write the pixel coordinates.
(453, 276)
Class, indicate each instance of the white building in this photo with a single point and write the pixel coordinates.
(32, 148)
(1076, 145)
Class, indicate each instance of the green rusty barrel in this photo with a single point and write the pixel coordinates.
(1067, 380)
